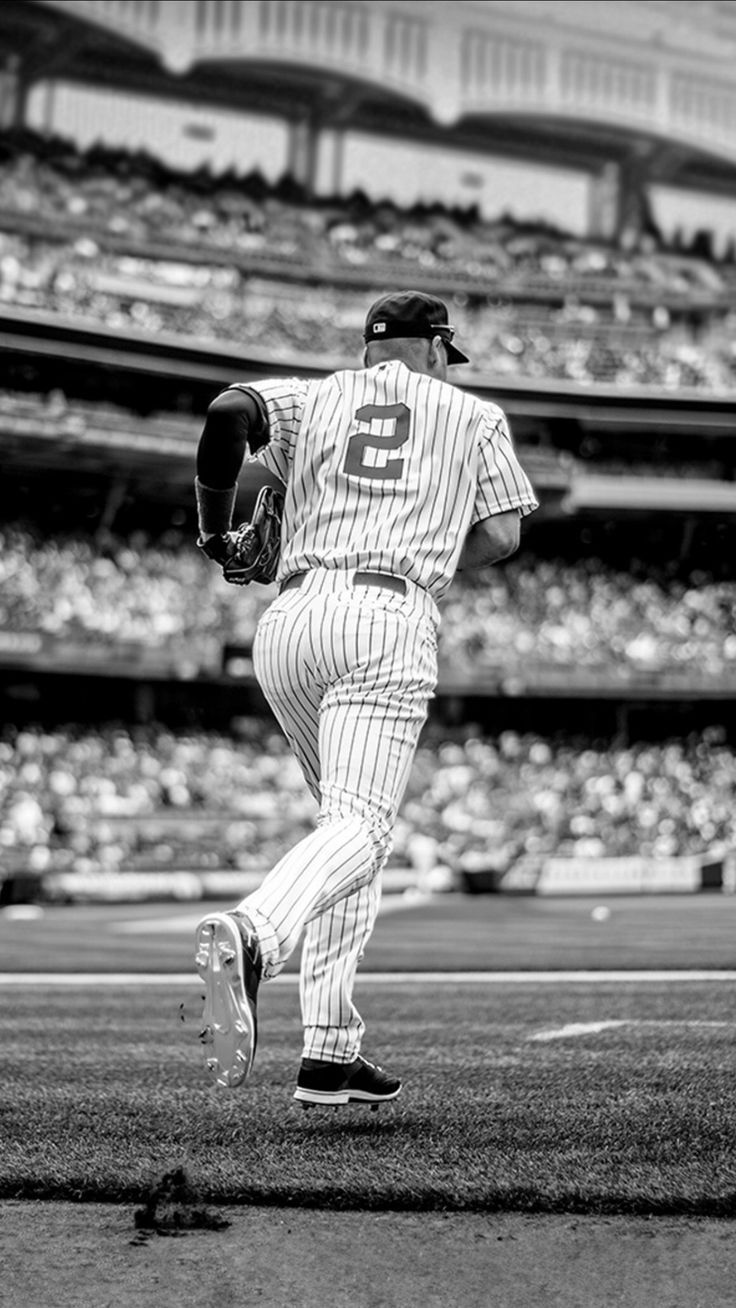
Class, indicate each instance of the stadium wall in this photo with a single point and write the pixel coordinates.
(709, 873)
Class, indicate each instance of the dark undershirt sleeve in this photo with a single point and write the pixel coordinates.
(236, 422)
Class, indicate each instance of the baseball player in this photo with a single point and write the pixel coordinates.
(392, 480)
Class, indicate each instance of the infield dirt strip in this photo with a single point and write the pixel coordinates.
(62, 1255)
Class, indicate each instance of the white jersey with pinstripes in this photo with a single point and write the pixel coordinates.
(386, 470)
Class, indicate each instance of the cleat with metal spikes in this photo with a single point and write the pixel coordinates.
(227, 958)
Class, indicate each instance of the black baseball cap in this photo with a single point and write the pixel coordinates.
(411, 313)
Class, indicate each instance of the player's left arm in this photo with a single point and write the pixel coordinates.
(236, 421)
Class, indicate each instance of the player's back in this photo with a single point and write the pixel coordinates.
(384, 475)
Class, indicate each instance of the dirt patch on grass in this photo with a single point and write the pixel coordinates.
(62, 1255)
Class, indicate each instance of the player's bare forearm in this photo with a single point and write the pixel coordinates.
(490, 541)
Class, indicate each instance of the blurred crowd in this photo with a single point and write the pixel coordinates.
(574, 342)
(527, 613)
(116, 798)
(116, 240)
(100, 800)
(159, 594)
(132, 196)
(534, 612)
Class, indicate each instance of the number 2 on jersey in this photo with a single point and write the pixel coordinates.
(360, 441)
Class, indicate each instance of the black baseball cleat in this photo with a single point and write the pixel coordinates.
(228, 960)
(344, 1083)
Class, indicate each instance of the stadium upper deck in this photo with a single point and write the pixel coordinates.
(120, 240)
(646, 87)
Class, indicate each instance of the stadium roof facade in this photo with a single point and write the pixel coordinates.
(646, 87)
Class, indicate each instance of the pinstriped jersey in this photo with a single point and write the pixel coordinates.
(386, 469)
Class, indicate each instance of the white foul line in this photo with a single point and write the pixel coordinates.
(577, 1029)
(593, 1028)
(375, 978)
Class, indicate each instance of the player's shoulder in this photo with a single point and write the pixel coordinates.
(276, 387)
(484, 411)
(472, 406)
(494, 414)
(342, 378)
(283, 398)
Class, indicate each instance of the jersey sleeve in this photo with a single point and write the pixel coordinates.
(283, 399)
(502, 482)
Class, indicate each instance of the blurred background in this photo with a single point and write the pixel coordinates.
(198, 192)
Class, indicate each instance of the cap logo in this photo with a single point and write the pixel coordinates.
(378, 327)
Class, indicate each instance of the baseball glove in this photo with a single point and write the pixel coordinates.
(251, 551)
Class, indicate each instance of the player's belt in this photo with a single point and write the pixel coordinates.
(384, 579)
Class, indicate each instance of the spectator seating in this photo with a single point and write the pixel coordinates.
(526, 611)
(115, 239)
(115, 798)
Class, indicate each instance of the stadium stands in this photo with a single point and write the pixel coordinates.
(115, 239)
(532, 610)
(116, 798)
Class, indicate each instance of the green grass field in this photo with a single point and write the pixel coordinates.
(604, 1096)
(448, 933)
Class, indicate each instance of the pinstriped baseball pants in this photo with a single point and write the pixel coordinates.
(348, 672)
